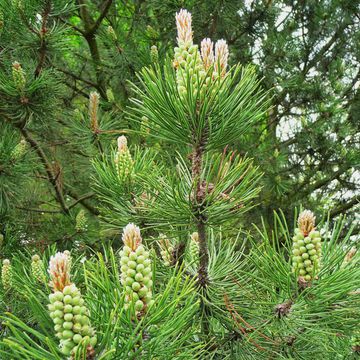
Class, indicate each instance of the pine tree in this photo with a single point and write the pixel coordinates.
(219, 287)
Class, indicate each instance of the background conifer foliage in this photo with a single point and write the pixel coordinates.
(178, 180)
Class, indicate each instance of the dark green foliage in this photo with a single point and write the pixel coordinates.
(215, 156)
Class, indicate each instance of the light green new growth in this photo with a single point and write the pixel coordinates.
(194, 248)
(166, 250)
(37, 269)
(81, 221)
(68, 254)
(123, 160)
(187, 60)
(18, 76)
(19, 150)
(136, 273)
(67, 309)
(6, 275)
(154, 55)
(306, 251)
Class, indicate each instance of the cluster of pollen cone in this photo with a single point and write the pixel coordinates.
(123, 160)
(67, 309)
(193, 66)
(136, 273)
(306, 250)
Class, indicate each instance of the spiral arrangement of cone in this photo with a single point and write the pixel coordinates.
(136, 272)
(6, 274)
(123, 160)
(194, 248)
(306, 250)
(67, 309)
(194, 69)
(166, 250)
(37, 269)
(81, 221)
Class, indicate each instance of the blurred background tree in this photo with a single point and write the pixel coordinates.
(53, 54)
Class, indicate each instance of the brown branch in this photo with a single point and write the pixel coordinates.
(71, 25)
(197, 156)
(81, 199)
(42, 35)
(77, 77)
(343, 207)
(48, 168)
(83, 202)
(325, 181)
(326, 47)
(39, 210)
(52, 177)
(89, 35)
(76, 90)
(101, 17)
(198, 199)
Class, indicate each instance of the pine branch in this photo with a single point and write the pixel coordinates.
(203, 277)
(78, 77)
(101, 17)
(319, 55)
(72, 26)
(42, 34)
(343, 207)
(326, 180)
(48, 168)
(76, 90)
(89, 35)
(39, 210)
(197, 159)
(83, 201)
(52, 177)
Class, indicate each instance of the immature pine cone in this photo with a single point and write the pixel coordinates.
(136, 271)
(194, 248)
(123, 160)
(306, 252)
(187, 59)
(81, 221)
(18, 76)
(154, 55)
(166, 250)
(67, 308)
(37, 269)
(94, 98)
(19, 150)
(6, 275)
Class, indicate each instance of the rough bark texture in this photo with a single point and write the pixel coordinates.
(199, 196)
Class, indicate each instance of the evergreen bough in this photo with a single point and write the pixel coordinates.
(243, 295)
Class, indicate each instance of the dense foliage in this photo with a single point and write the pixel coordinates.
(162, 161)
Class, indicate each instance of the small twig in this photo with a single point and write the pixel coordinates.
(77, 77)
(42, 34)
(81, 199)
(39, 210)
(101, 17)
(48, 168)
